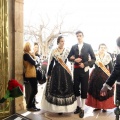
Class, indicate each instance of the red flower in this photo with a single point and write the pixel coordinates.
(13, 84)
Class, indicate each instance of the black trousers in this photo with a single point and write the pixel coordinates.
(81, 82)
(33, 92)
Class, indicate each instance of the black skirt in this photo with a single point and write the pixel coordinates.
(59, 89)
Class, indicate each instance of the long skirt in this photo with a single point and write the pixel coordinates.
(58, 94)
(94, 99)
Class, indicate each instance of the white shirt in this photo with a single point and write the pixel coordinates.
(80, 47)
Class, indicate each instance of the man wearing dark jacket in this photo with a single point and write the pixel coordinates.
(80, 54)
(115, 75)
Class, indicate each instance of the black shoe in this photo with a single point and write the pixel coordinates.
(96, 109)
(60, 113)
(36, 102)
(104, 110)
(38, 109)
(78, 109)
(81, 114)
(33, 109)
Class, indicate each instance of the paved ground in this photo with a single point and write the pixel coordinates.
(89, 114)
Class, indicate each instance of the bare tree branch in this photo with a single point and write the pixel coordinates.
(45, 34)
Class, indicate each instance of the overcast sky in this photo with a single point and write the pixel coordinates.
(98, 19)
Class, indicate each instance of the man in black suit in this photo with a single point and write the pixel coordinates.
(83, 57)
(115, 75)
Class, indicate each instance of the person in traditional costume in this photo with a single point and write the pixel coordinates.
(58, 96)
(83, 57)
(114, 79)
(99, 75)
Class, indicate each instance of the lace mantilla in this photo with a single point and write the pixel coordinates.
(106, 59)
(63, 56)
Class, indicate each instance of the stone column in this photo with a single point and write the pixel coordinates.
(15, 13)
(18, 19)
(19, 48)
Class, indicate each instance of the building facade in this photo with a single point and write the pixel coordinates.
(11, 51)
